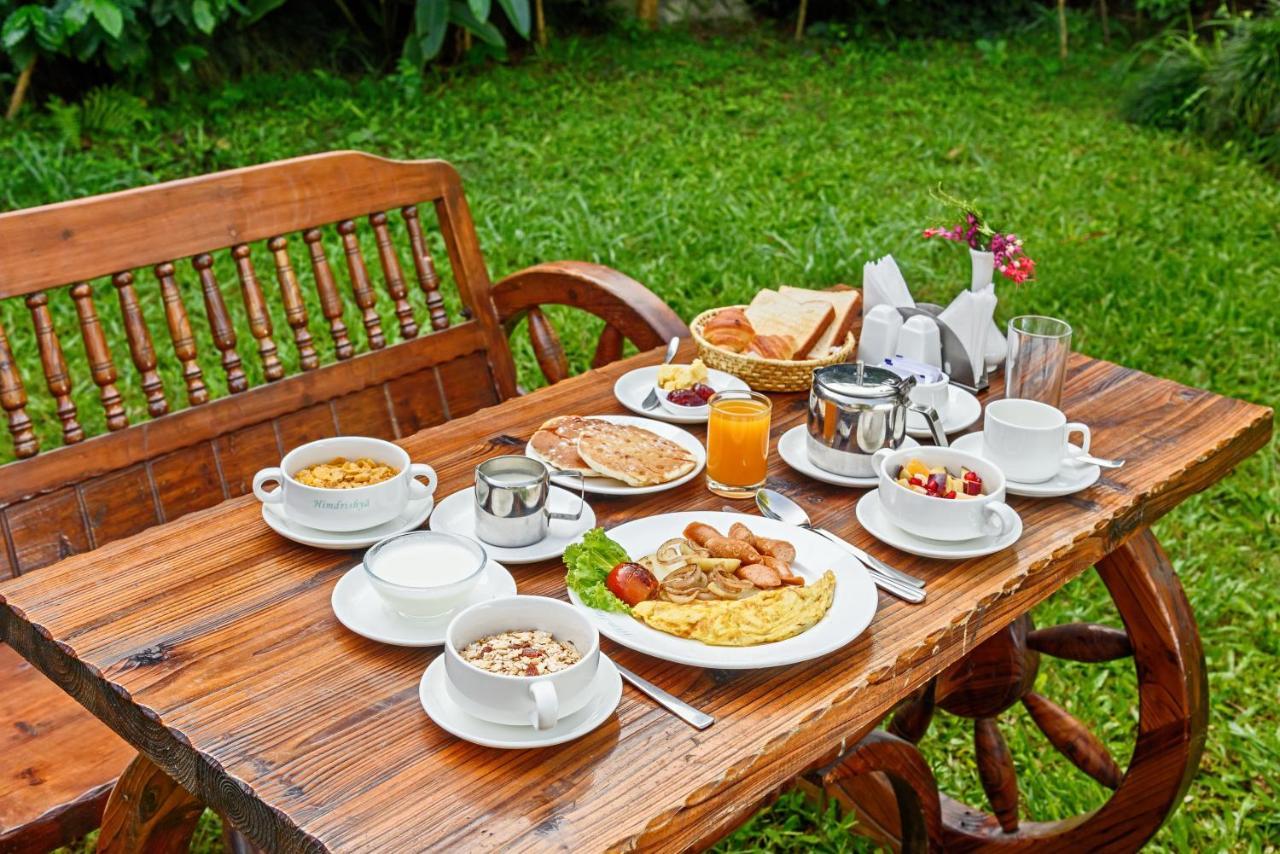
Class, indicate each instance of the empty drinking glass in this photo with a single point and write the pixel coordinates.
(1037, 364)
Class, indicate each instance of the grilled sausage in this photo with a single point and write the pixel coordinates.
(700, 532)
(726, 547)
(760, 575)
(739, 531)
(780, 549)
(783, 569)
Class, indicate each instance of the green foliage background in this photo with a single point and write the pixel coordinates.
(707, 167)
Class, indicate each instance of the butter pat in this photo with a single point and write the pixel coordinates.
(671, 377)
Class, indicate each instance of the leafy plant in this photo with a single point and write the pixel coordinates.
(105, 111)
(432, 19)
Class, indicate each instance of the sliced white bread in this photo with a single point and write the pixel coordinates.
(771, 313)
(845, 304)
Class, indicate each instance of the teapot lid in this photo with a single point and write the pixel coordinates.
(858, 380)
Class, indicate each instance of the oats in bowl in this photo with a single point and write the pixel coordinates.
(527, 652)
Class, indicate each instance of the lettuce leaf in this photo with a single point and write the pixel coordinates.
(589, 563)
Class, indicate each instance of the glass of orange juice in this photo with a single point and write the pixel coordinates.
(738, 443)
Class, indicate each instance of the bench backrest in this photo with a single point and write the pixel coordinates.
(269, 250)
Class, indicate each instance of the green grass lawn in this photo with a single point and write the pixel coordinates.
(707, 167)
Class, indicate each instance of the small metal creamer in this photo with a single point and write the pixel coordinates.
(855, 410)
(512, 496)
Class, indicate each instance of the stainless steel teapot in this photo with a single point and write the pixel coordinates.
(855, 410)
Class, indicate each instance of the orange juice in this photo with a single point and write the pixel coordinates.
(738, 443)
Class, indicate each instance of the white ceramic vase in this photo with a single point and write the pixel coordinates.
(995, 345)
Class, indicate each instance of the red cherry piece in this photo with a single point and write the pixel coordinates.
(972, 488)
(915, 481)
(972, 475)
(951, 494)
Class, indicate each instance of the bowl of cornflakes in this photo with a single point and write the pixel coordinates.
(346, 483)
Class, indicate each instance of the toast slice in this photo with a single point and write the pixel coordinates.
(771, 313)
(845, 304)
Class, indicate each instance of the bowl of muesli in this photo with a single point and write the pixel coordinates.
(521, 660)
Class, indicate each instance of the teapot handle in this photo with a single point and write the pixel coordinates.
(935, 423)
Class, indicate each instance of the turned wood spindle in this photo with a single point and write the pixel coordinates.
(608, 348)
(912, 720)
(144, 355)
(995, 772)
(184, 343)
(256, 307)
(1073, 740)
(224, 333)
(1087, 642)
(100, 363)
(295, 309)
(391, 273)
(547, 348)
(425, 267)
(55, 366)
(330, 302)
(13, 397)
(365, 297)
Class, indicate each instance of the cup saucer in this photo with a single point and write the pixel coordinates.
(872, 517)
(1069, 479)
(446, 714)
(358, 607)
(963, 410)
(456, 515)
(414, 514)
(791, 447)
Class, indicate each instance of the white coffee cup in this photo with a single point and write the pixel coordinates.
(947, 519)
(344, 509)
(424, 574)
(879, 338)
(537, 701)
(1028, 439)
(936, 393)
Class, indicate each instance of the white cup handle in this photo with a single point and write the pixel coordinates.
(262, 477)
(877, 461)
(1000, 518)
(1085, 439)
(416, 489)
(546, 706)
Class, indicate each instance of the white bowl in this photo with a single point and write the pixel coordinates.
(344, 509)
(537, 701)
(950, 520)
(424, 574)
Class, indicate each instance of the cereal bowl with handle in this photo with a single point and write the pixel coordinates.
(344, 509)
(947, 519)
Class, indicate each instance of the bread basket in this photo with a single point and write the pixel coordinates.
(764, 374)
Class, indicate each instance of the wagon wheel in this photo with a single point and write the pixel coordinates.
(1161, 636)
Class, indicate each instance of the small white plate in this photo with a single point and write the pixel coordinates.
(415, 513)
(852, 608)
(457, 515)
(609, 486)
(634, 386)
(793, 448)
(963, 409)
(449, 717)
(358, 607)
(872, 517)
(1069, 479)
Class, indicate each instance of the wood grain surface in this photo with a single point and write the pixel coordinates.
(209, 644)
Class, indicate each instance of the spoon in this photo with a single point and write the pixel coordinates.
(651, 400)
(1098, 461)
(670, 702)
(777, 506)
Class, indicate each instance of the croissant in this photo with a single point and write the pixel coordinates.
(729, 329)
(772, 346)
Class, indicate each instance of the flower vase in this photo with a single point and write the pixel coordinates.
(995, 345)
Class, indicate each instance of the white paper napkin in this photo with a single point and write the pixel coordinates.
(882, 284)
(970, 317)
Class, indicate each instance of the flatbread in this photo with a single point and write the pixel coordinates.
(633, 455)
(556, 442)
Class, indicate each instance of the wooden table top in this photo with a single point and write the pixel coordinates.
(209, 644)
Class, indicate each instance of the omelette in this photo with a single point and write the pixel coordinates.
(766, 617)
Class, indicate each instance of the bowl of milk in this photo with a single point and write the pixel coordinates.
(424, 574)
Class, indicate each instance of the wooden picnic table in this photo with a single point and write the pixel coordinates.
(209, 644)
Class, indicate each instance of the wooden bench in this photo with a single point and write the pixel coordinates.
(402, 360)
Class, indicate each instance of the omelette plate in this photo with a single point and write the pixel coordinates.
(851, 610)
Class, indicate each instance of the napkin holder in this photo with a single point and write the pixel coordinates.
(955, 358)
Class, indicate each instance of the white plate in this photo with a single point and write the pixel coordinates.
(358, 607)
(851, 610)
(792, 447)
(872, 517)
(415, 513)
(453, 720)
(457, 515)
(634, 386)
(609, 486)
(963, 409)
(1069, 479)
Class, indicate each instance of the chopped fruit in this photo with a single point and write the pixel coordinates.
(937, 482)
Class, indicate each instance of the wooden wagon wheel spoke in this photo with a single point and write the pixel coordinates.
(1159, 634)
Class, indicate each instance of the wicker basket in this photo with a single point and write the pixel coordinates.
(764, 374)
